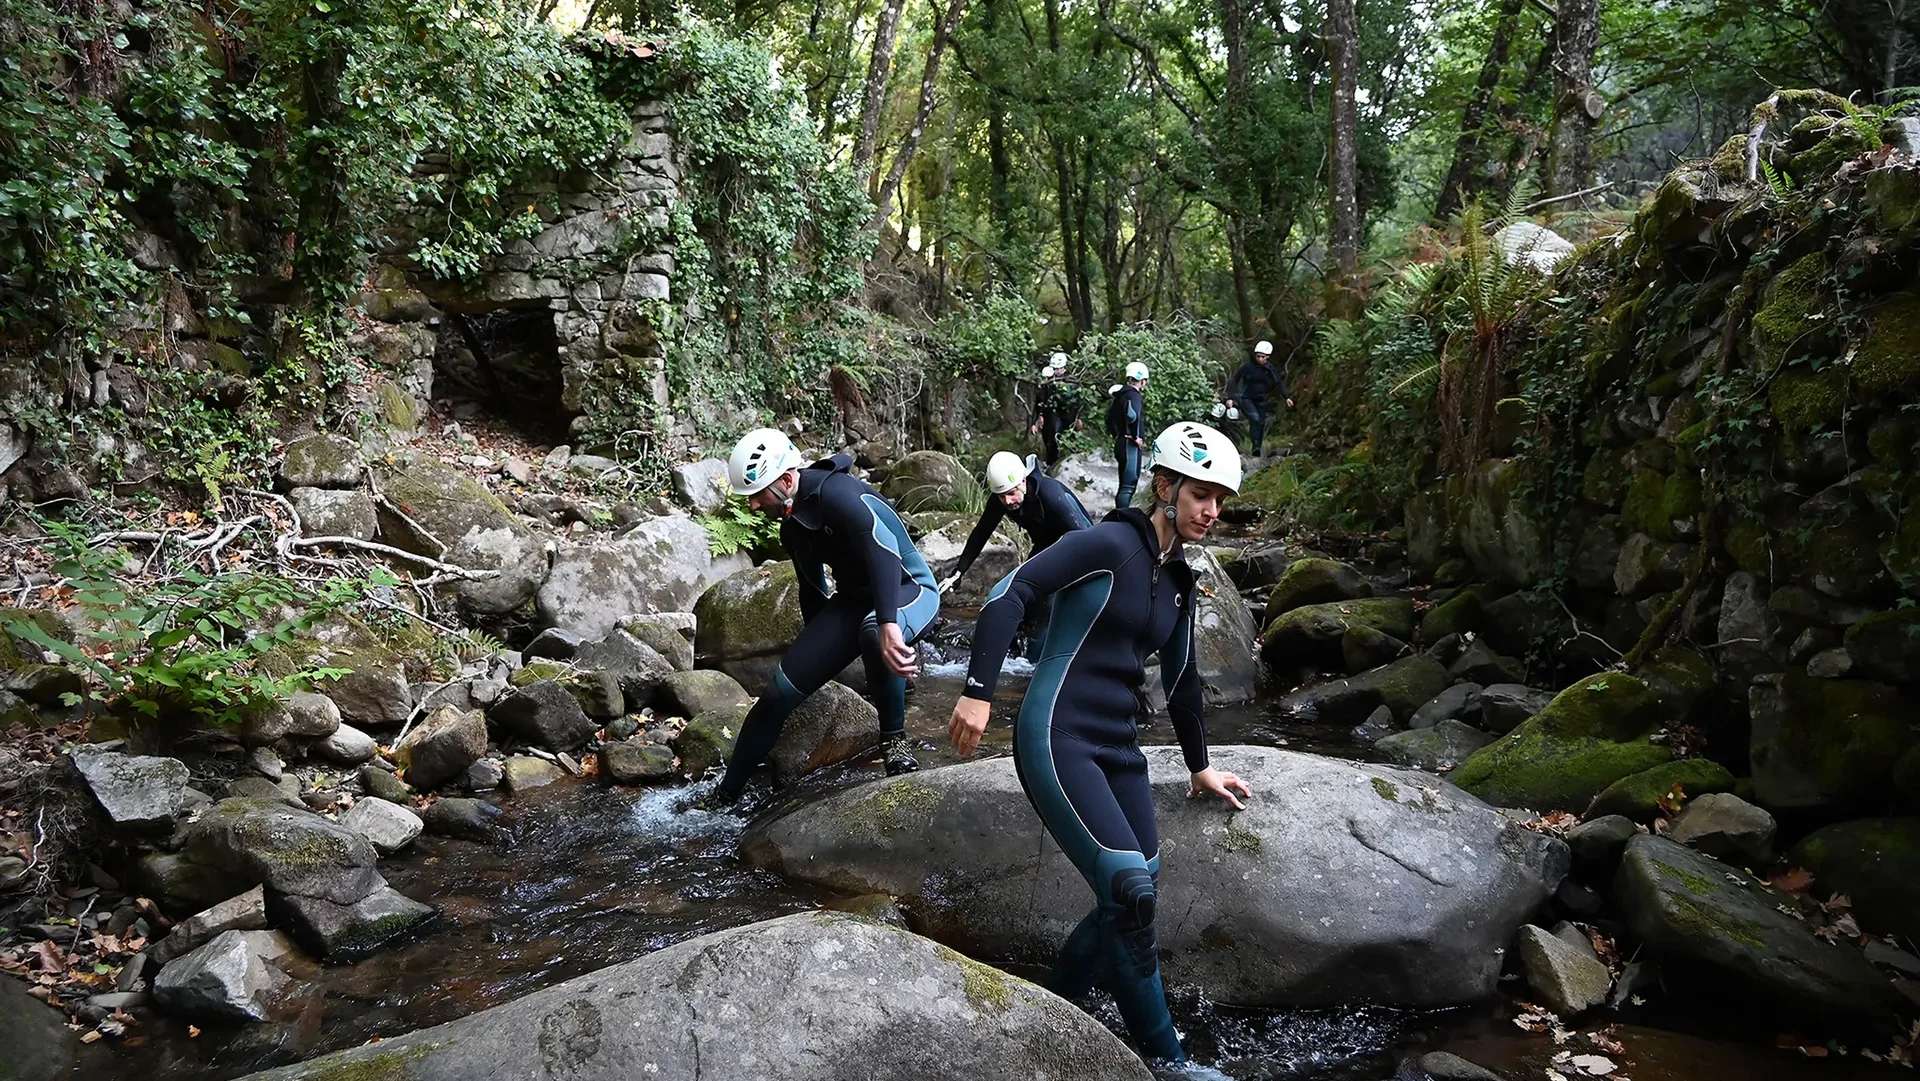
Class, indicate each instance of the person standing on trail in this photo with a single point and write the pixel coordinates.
(883, 596)
(1250, 388)
(1122, 591)
(1127, 424)
(1036, 502)
(1053, 407)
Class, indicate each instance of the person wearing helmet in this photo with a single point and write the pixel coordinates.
(1036, 502)
(1122, 591)
(1127, 424)
(1053, 407)
(883, 595)
(1250, 388)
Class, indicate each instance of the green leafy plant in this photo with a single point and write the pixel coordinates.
(739, 528)
(965, 495)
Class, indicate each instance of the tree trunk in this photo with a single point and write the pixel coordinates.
(999, 201)
(1469, 153)
(1069, 245)
(876, 93)
(1576, 104)
(1343, 46)
(942, 31)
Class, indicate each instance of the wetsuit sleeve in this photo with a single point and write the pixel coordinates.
(1235, 382)
(812, 577)
(1062, 505)
(1073, 557)
(982, 532)
(1280, 383)
(1136, 424)
(845, 505)
(1180, 677)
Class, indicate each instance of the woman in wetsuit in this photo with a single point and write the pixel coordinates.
(1122, 591)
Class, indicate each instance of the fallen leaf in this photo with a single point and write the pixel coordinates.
(91, 1037)
(49, 956)
(193, 1031)
(1793, 881)
(1598, 1065)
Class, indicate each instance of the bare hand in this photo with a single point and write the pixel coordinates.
(901, 658)
(1141, 443)
(1220, 784)
(1079, 425)
(1229, 403)
(1289, 403)
(1033, 430)
(968, 723)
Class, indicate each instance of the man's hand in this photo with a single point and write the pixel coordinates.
(1289, 403)
(946, 584)
(968, 723)
(901, 658)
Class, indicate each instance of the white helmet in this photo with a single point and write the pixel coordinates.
(1137, 371)
(1263, 346)
(1005, 471)
(1197, 451)
(1058, 360)
(1233, 412)
(759, 459)
(1219, 410)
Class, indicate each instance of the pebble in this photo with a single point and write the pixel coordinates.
(266, 763)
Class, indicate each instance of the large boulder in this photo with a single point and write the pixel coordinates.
(701, 485)
(134, 790)
(327, 513)
(546, 713)
(453, 517)
(1886, 645)
(289, 849)
(1311, 634)
(1403, 686)
(441, 747)
(928, 478)
(1731, 937)
(374, 692)
(1435, 748)
(831, 726)
(229, 979)
(941, 548)
(703, 690)
(1340, 882)
(322, 461)
(1729, 828)
(663, 564)
(1875, 861)
(1316, 581)
(1224, 633)
(1496, 530)
(389, 827)
(816, 996)
(331, 930)
(1592, 734)
(1503, 706)
(638, 668)
(747, 620)
(1826, 742)
(1093, 478)
(1638, 796)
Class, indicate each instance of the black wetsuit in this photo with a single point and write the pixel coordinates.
(1249, 388)
(1047, 512)
(1076, 747)
(1054, 409)
(839, 521)
(1127, 422)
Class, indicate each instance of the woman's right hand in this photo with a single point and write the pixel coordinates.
(968, 724)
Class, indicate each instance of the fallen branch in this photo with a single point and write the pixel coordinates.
(396, 553)
(1536, 205)
(1761, 116)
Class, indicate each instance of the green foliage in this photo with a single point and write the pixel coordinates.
(966, 495)
(990, 337)
(1183, 379)
(189, 645)
(739, 528)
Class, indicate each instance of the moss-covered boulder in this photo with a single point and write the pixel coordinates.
(707, 740)
(476, 529)
(289, 849)
(1592, 734)
(1496, 528)
(1457, 614)
(1875, 861)
(1788, 318)
(925, 480)
(1315, 581)
(1886, 646)
(1827, 742)
(1312, 634)
(1436, 749)
(1403, 686)
(1638, 797)
(1683, 679)
(1889, 360)
(660, 565)
(322, 461)
(1663, 506)
(747, 620)
(1364, 649)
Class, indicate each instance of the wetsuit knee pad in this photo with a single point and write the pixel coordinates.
(1135, 897)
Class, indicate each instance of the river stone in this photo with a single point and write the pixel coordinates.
(637, 667)
(247, 912)
(664, 639)
(701, 485)
(1316, 581)
(1442, 1066)
(553, 644)
(325, 513)
(1726, 827)
(1435, 748)
(1363, 649)
(816, 996)
(476, 529)
(1638, 797)
(689, 694)
(1826, 742)
(322, 461)
(183, 886)
(831, 726)
(747, 620)
(1457, 614)
(328, 929)
(374, 693)
(348, 746)
(254, 786)
(941, 548)
(523, 772)
(230, 978)
(459, 816)
(1224, 633)
(1597, 844)
(707, 740)
(441, 747)
(1480, 663)
(1332, 861)
(1311, 634)
(662, 564)
(1378, 724)
(1403, 686)
(39, 1047)
(1460, 702)
(389, 827)
(1504, 705)
(292, 851)
(1719, 932)
(384, 784)
(1569, 980)
(636, 762)
(546, 713)
(1875, 861)
(1591, 735)
(134, 790)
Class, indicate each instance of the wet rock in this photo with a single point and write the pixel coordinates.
(661, 564)
(1875, 861)
(389, 827)
(1826, 742)
(523, 773)
(467, 819)
(664, 639)
(1727, 828)
(689, 694)
(322, 461)
(554, 644)
(1568, 980)
(1224, 634)
(1441, 1066)
(1598, 842)
(638, 668)
(1638, 796)
(701, 485)
(348, 746)
(545, 713)
(1403, 686)
(325, 513)
(485, 775)
(230, 978)
(1460, 702)
(441, 747)
(1435, 748)
(1717, 931)
(1503, 706)
(747, 620)
(328, 929)
(707, 740)
(384, 784)
(1378, 724)
(181, 885)
(1316, 581)
(1591, 735)
(134, 790)
(1363, 649)
(1312, 634)
(1479, 663)
(246, 912)
(731, 1003)
(1432, 882)
(833, 725)
(634, 762)
(291, 851)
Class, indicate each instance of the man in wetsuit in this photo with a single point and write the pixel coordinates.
(882, 599)
(1036, 502)
(1127, 424)
(1053, 407)
(1250, 388)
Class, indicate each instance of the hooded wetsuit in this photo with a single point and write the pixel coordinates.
(839, 521)
(1047, 512)
(1076, 746)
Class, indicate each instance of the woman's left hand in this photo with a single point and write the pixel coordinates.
(1220, 784)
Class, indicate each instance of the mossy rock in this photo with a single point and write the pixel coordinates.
(1363, 648)
(1827, 742)
(1315, 581)
(530, 674)
(1886, 645)
(1313, 633)
(1789, 311)
(1592, 734)
(1655, 503)
(747, 620)
(1802, 400)
(397, 407)
(1458, 614)
(1894, 195)
(1683, 679)
(707, 740)
(1843, 560)
(1889, 360)
(455, 508)
(597, 692)
(1638, 797)
(1875, 861)
(1496, 527)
